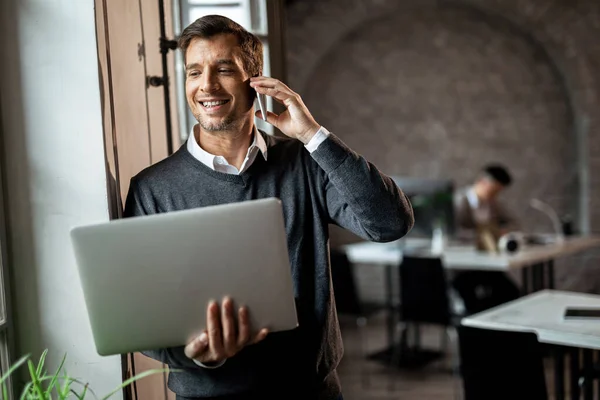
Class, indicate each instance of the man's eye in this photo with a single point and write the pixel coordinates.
(193, 74)
(225, 71)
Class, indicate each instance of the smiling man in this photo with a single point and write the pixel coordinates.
(319, 181)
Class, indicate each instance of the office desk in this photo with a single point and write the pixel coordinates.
(542, 313)
(456, 257)
(467, 257)
(536, 262)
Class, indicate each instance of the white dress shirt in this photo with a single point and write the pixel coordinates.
(220, 164)
(482, 212)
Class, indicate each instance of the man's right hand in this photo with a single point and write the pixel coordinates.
(225, 336)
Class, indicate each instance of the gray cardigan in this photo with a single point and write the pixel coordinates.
(331, 185)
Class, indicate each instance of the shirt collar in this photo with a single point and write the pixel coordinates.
(259, 141)
(208, 159)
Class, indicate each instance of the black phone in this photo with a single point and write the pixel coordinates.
(582, 313)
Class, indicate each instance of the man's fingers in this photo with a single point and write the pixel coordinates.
(268, 81)
(271, 117)
(261, 335)
(229, 329)
(215, 334)
(278, 93)
(244, 327)
(225, 334)
(197, 346)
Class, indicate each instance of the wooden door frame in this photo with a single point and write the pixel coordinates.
(115, 187)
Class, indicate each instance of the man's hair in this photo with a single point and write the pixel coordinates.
(213, 25)
(498, 173)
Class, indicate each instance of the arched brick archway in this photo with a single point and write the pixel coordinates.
(438, 92)
(565, 29)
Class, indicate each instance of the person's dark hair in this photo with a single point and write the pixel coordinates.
(498, 173)
(212, 25)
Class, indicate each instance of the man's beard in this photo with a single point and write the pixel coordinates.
(224, 125)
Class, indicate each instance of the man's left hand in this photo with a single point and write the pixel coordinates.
(296, 121)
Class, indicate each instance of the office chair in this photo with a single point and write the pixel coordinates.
(348, 302)
(425, 299)
(503, 365)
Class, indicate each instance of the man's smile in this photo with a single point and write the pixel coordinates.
(213, 104)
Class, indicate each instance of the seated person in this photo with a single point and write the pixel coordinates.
(477, 207)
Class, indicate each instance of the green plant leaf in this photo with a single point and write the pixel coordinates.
(26, 390)
(133, 379)
(66, 387)
(9, 373)
(38, 371)
(55, 376)
(16, 365)
(85, 389)
(37, 386)
(64, 390)
(79, 396)
(34, 390)
(29, 392)
(82, 395)
(86, 386)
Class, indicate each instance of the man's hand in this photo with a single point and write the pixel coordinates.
(296, 121)
(225, 336)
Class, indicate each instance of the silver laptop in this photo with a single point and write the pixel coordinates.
(147, 280)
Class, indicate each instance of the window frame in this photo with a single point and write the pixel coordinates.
(6, 319)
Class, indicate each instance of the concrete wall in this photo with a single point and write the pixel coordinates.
(55, 176)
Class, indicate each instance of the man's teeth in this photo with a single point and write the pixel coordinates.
(213, 103)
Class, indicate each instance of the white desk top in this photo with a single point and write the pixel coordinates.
(467, 257)
(542, 313)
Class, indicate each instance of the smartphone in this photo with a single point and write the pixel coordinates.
(262, 105)
(581, 313)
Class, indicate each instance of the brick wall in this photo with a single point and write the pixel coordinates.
(433, 89)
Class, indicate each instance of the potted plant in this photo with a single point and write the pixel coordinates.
(58, 386)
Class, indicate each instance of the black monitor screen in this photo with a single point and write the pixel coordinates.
(432, 202)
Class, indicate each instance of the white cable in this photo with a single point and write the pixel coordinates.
(551, 213)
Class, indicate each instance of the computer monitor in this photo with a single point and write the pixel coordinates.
(433, 204)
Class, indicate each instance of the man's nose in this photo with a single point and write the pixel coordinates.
(210, 83)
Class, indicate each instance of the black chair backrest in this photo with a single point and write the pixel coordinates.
(501, 365)
(424, 291)
(347, 299)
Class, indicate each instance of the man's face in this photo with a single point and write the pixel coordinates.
(489, 189)
(217, 86)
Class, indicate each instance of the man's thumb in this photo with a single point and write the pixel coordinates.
(196, 346)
